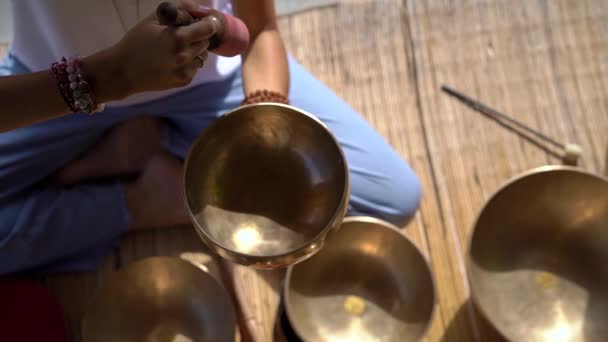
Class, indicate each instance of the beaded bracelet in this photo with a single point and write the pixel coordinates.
(265, 96)
(60, 75)
(73, 86)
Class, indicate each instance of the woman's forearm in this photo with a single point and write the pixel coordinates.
(265, 61)
(28, 99)
(31, 98)
(265, 64)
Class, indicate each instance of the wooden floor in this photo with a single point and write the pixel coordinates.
(544, 62)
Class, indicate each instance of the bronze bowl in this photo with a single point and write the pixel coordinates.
(369, 283)
(538, 257)
(265, 183)
(160, 299)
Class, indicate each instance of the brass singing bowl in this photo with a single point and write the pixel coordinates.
(538, 257)
(369, 283)
(264, 185)
(160, 299)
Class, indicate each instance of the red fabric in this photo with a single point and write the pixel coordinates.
(29, 313)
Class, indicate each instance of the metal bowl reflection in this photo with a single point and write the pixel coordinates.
(369, 283)
(160, 299)
(265, 183)
(538, 257)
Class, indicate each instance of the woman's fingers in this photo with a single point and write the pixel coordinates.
(198, 48)
(188, 5)
(195, 9)
(194, 55)
(191, 44)
(186, 73)
(204, 56)
(199, 30)
(199, 60)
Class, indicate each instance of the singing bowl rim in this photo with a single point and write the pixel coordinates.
(383, 224)
(209, 279)
(275, 260)
(469, 258)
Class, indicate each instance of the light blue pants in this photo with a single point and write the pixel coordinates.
(48, 228)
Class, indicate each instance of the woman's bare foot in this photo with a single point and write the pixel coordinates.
(124, 150)
(156, 198)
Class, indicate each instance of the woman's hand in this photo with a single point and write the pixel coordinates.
(155, 57)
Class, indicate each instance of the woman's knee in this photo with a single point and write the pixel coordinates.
(394, 196)
(407, 195)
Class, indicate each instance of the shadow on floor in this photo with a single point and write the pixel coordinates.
(283, 331)
(485, 331)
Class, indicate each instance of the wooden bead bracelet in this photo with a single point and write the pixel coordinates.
(265, 96)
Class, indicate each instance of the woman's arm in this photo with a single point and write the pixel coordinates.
(265, 62)
(149, 57)
(31, 98)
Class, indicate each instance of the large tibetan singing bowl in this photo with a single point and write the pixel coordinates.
(160, 299)
(369, 283)
(264, 185)
(538, 257)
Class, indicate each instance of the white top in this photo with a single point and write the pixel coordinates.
(46, 30)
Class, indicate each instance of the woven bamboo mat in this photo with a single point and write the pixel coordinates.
(290, 7)
(542, 62)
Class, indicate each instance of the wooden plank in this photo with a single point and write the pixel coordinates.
(522, 58)
(258, 292)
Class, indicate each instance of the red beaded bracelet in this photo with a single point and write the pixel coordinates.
(73, 86)
(60, 75)
(265, 96)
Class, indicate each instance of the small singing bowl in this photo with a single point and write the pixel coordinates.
(538, 257)
(369, 283)
(160, 299)
(264, 184)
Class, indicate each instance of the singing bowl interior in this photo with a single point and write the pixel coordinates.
(369, 283)
(538, 257)
(265, 180)
(160, 299)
